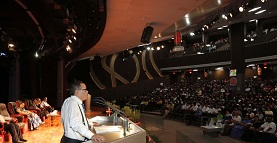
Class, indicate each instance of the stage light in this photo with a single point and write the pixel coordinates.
(261, 11)
(36, 54)
(68, 48)
(241, 8)
(224, 16)
(254, 9)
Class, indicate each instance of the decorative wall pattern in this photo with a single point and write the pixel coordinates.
(115, 59)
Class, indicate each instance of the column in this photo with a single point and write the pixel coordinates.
(238, 56)
(259, 28)
(60, 83)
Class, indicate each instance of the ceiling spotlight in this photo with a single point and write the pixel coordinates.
(205, 27)
(36, 54)
(263, 0)
(191, 34)
(68, 48)
(158, 48)
(241, 9)
(10, 45)
(224, 16)
(69, 41)
(73, 30)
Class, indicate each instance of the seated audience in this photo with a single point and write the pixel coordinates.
(268, 112)
(227, 118)
(33, 118)
(44, 105)
(260, 115)
(11, 126)
(234, 121)
(196, 115)
(42, 113)
(267, 131)
(169, 107)
(249, 132)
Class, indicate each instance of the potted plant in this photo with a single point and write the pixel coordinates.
(133, 114)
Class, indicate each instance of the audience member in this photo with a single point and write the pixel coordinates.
(11, 126)
(267, 131)
(33, 118)
(169, 107)
(45, 105)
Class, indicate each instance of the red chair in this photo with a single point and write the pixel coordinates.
(27, 106)
(22, 119)
(2, 133)
(3, 111)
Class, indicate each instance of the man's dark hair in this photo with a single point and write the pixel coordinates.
(75, 85)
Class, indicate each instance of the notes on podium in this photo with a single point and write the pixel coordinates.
(106, 129)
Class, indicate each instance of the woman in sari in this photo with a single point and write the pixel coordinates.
(33, 118)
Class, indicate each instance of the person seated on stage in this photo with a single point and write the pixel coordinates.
(33, 118)
(42, 113)
(33, 105)
(45, 105)
(11, 126)
(169, 107)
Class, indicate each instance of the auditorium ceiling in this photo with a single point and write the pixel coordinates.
(103, 27)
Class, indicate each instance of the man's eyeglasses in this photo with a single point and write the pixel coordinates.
(83, 89)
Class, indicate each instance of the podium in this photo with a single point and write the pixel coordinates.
(115, 133)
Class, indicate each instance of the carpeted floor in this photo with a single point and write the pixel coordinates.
(165, 130)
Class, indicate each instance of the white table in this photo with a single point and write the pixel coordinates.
(212, 131)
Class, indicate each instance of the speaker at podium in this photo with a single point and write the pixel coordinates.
(146, 34)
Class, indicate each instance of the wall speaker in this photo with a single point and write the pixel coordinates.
(146, 35)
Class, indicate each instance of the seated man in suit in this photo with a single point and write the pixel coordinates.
(11, 127)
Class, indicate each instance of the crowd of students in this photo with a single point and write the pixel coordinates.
(214, 97)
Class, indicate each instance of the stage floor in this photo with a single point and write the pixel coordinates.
(166, 132)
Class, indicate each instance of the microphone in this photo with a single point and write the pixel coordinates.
(102, 101)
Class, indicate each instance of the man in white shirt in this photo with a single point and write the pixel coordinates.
(11, 127)
(267, 131)
(76, 126)
(269, 126)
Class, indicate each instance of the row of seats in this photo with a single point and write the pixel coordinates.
(22, 120)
